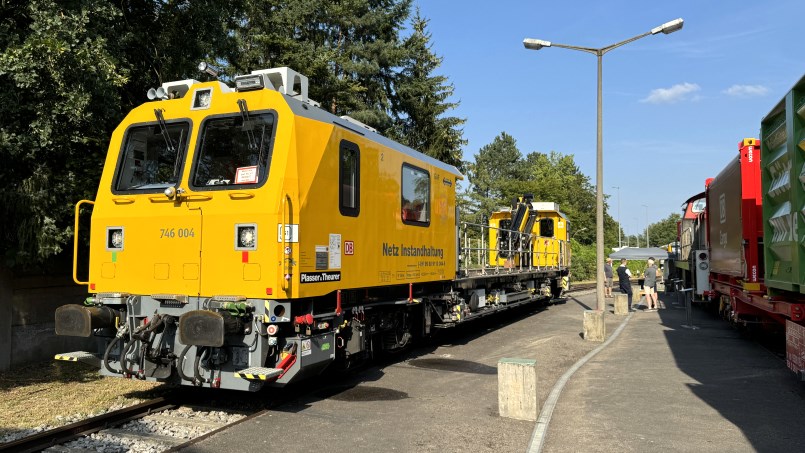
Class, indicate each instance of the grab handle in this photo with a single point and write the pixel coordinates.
(287, 256)
(75, 242)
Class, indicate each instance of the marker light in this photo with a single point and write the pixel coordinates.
(272, 329)
(202, 99)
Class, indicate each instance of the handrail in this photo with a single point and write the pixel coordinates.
(524, 251)
(286, 257)
(182, 198)
(196, 197)
(75, 242)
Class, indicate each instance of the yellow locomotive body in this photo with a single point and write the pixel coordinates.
(187, 244)
(243, 236)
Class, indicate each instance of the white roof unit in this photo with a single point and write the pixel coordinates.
(286, 81)
(544, 206)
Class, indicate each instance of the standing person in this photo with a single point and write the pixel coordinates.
(650, 285)
(608, 280)
(624, 274)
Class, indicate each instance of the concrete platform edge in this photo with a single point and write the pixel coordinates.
(538, 436)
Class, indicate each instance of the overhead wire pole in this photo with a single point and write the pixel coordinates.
(620, 244)
(647, 242)
(537, 44)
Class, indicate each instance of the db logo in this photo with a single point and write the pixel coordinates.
(349, 248)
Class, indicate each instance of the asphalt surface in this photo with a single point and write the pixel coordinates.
(656, 387)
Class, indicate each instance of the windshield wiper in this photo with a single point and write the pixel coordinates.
(169, 142)
(164, 129)
(247, 123)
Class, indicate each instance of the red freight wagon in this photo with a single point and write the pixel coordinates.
(734, 220)
(735, 234)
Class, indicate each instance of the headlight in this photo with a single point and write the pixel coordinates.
(246, 237)
(114, 238)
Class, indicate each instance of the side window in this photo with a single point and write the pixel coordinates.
(349, 179)
(546, 228)
(415, 196)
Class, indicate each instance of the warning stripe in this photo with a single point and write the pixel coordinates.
(262, 377)
(66, 357)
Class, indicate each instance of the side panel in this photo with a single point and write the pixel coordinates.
(733, 204)
(724, 203)
(375, 247)
(783, 163)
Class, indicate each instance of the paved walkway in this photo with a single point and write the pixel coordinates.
(661, 387)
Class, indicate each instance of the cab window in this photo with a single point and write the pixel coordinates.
(233, 151)
(152, 156)
(415, 196)
(546, 228)
(349, 181)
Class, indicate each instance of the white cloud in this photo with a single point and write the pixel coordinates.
(746, 90)
(678, 92)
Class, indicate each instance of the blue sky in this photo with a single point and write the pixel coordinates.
(674, 106)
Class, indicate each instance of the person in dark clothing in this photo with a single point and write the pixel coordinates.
(624, 274)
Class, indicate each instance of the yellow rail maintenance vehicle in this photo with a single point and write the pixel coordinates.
(242, 236)
(539, 239)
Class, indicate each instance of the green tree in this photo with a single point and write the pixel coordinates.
(158, 41)
(69, 71)
(421, 101)
(664, 232)
(58, 101)
(556, 177)
(349, 49)
(496, 176)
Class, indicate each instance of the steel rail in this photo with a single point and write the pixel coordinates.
(66, 433)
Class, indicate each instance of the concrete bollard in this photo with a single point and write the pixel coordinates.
(621, 304)
(594, 327)
(517, 389)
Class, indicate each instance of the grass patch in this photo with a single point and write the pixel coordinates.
(48, 392)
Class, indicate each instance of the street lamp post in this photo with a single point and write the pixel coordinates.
(537, 44)
(619, 215)
(637, 231)
(648, 244)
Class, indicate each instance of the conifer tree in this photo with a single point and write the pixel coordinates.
(349, 50)
(497, 174)
(421, 100)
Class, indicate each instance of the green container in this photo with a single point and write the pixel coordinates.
(782, 160)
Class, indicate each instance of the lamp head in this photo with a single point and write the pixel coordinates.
(535, 44)
(669, 27)
(207, 68)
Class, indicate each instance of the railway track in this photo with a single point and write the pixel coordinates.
(581, 286)
(161, 424)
